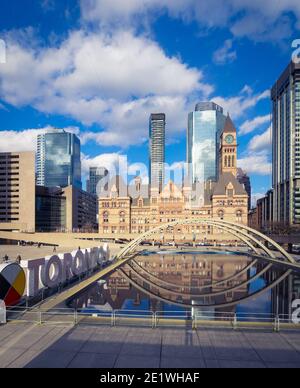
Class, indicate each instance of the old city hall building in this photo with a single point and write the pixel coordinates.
(123, 214)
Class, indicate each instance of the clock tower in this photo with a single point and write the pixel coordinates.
(228, 149)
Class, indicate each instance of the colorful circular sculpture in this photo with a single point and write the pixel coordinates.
(12, 283)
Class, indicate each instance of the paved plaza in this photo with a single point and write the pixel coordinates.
(27, 252)
(33, 252)
(30, 346)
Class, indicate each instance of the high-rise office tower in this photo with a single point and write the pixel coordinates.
(58, 159)
(157, 129)
(205, 126)
(286, 146)
(96, 176)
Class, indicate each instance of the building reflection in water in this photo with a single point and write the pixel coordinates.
(180, 278)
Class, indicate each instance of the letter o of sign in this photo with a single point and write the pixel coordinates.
(79, 264)
(52, 272)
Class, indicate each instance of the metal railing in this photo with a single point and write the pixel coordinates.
(143, 318)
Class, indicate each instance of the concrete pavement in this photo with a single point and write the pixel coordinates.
(30, 346)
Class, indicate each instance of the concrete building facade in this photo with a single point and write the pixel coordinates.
(17, 191)
(81, 210)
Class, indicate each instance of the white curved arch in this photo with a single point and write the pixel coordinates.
(264, 237)
(242, 232)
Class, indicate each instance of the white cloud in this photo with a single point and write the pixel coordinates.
(116, 164)
(225, 54)
(127, 123)
(48, 5)
(10, 140)
(129, 11)
(108, 161)
(258, 155)
(113, 80)
(258, 164)
(251, 125)
(262, 21)
(261, 142)
(238, 105)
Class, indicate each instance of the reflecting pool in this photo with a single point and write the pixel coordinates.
(213, 281)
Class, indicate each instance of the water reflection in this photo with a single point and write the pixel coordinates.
(210, 281)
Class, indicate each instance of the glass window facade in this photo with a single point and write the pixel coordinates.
(204, 130)
(286, 146)
(96, 176)
(157, 128)
(50, 211)
(58, 160)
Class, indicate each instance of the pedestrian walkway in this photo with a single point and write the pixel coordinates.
(34, 346)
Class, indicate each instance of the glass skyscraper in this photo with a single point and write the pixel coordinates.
(58, 159)
(96, 176)
(286, 146)
(157, 129)
(203, 141)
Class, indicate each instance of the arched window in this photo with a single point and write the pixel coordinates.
(105, 217)
(226, 161)
(221, 214)
(239, 216)
(233, 161)
(122, 217)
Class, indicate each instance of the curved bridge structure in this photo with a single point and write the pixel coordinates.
(263, 259)
(255, 240)
(266, 253)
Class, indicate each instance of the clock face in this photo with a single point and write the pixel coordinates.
(229, 139)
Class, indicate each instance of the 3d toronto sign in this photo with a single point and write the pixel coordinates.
(51, 271)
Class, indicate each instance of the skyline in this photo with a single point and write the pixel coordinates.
(156, 60)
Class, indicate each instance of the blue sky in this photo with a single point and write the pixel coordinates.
(100, 67)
